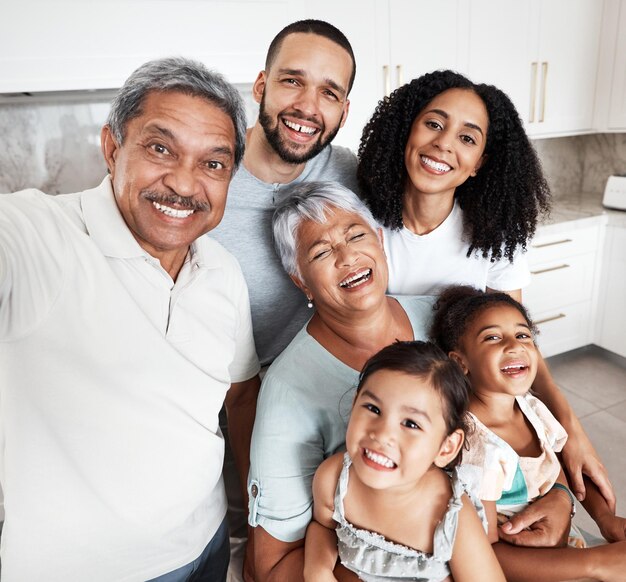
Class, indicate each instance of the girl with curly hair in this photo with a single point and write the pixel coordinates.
(514, 439)
(446, 166)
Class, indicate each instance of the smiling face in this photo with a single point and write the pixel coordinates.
(303, 96)
(446, 143)
(170, 176)
(397, 431)
(341, 263)
(498, 352)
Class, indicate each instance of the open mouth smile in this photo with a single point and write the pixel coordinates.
(439, 167)
(514, 369)
(303, 129)
(173, 212)
(354, 280)
(378, 461)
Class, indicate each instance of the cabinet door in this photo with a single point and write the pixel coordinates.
(617, 106)
(74, 44)
(612, 333)
(502, 54)
(543, 54)
(569, 44)
(425, 36)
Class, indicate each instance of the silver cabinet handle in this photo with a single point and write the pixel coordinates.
(399, 76)
(544, 82)
(553, 318)
(386, 81)
(533, 90)
(540, 271)
(556, 242)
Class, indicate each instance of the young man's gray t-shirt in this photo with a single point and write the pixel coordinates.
(279, 308)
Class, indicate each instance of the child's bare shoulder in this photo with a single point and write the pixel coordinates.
(329, 469)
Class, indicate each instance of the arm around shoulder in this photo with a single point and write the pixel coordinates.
(578, 456)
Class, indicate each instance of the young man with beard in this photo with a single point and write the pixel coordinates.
(303, 97)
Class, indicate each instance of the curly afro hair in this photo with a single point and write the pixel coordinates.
(501, 204)
(458, 306)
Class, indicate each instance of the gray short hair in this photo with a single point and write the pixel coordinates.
(310, 201)
(184, 76)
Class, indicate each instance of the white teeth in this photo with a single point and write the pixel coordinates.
(356, 280)
(173, 212)
(439, 166)
(300, 128)
(516, 367)
(379, 459)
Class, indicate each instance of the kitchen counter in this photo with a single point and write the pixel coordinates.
(583, 207)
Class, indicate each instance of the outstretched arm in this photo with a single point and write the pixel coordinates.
(579, 456)
(472, 552)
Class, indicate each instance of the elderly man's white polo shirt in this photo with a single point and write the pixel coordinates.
(111, 380)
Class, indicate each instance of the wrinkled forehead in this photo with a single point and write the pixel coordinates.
(329, 218)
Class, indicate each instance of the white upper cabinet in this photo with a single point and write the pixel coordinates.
(617, 104)
(59, 45)
(423, 37)
(544, 54)
(499, 50)
(611, 90)
(569, 44)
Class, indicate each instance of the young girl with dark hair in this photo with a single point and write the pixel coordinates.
(386, 506)
(513, 444)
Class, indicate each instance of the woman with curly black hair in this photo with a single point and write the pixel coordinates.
(446, 166)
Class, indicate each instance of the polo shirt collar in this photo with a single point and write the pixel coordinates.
(105, 224)
(108, 229)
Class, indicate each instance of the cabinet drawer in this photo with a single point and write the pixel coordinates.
(564, 329)
(561, 282)
(556, 246)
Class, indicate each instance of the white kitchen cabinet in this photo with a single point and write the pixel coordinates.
(564, 265)
(544, 54)
(499, 53)
(57, 45)
(612, 321)
(617, 102)
(423, 38)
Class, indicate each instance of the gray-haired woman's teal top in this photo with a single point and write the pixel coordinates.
(301, 419)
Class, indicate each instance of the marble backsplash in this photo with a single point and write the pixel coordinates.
(53, 144)
(582, 163)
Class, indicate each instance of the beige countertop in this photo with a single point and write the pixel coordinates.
(584, 207)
